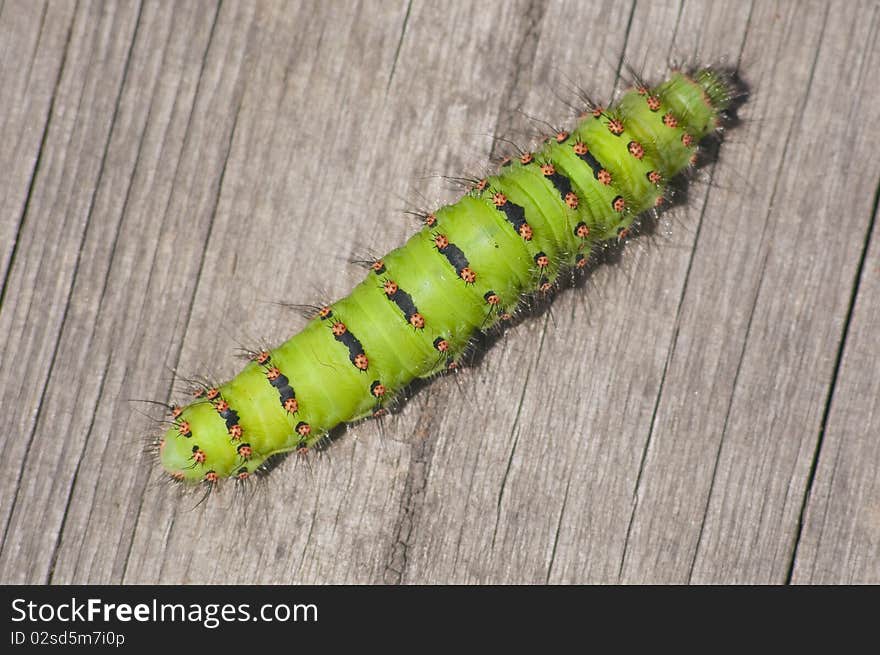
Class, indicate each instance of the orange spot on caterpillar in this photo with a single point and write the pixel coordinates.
(635, 149)
(198, 455)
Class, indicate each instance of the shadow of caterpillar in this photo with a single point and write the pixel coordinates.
(514, 235)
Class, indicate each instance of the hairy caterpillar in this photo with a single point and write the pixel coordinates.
(513, 235)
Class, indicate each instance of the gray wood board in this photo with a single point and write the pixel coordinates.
(703, 410)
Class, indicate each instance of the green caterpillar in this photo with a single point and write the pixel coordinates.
(512, 235)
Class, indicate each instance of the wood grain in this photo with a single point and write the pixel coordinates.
(704, 410)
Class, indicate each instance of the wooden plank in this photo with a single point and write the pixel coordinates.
(546, 491)
(349, 501)
(763, 307)
(841, 536)
(41, 452)
(32, 40)
(809, 272)
(251, 150)
(187, 80)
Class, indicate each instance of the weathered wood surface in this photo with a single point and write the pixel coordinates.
(704, 411)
